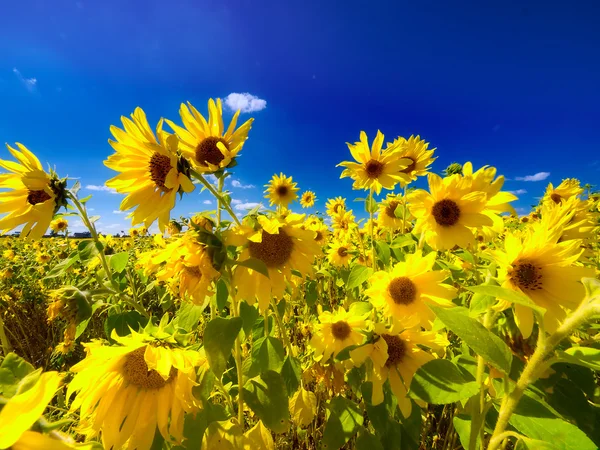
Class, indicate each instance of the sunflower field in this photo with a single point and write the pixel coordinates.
(443, 321)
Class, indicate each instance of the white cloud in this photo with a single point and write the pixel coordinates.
(112, 226)
(245, 102)
(118, 211)
(247, 205)
(518, 192)
(238, 184)
(93, 187)
(29, 83)
(540, 176)
(235, 201)
(207, 202)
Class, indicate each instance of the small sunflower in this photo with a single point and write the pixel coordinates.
(544, 270)
(568, 188)
(409, 287)
(391, 214)
(308, 199)
(336, 206)
(396, 354)
(336, 331)
(281, 190)
(343, 223)
(32, 196)
(339, 253)
(447, 214)
(375, 169)
(573, 217)
(59, 225)
(125, 392)
(282, 245)
(416, 150)
(150, 171)
(134, 232)
(207, 145)
(321, 232)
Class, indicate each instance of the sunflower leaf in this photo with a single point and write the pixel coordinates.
(506, 294)
(441, 382)
(256, 265)
(219, 336)
(267, 397)
(344, 418)
(358, 275)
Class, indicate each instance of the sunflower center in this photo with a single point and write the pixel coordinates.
(160, 165)
(411, 166)
(390, 209)
(556, 198)
(274, 250)
(193, 271)
(340, 330)
(35, 197)
(208, 152)
(396, 349)
(527, 276)
(318, 236)
(446, 212)
(374, 168)
(342, 251)
(282, 191)
(135, 371)
(336, 208)
(402, 290)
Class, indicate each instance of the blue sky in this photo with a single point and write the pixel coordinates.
(512, 84)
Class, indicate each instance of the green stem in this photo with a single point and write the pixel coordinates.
(372, 231)
(404, 211)
(219, 201)
(219, 198)
(239, 364)
(6, 348)
(282, 331)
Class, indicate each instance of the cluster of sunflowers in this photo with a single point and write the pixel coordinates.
(443, 321)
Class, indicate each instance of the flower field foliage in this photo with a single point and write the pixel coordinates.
(444, 321)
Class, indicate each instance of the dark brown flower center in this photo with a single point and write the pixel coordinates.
(390, 209)
(446, 212)
(411, 166)
(207, 151)
(35, 197)
(193, 271)
(341, 330)
(282, 191)
(402, 290)
(527, 275)
(396, 349)
(159, 167)
(336, 208)
(274, 250)
(556, 198)
(342, 251)
(135, 371)
(374, 168)
(318, 236)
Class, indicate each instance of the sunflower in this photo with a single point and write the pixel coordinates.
(42, 258)
(125, 392)
(281, 190)
(339, 253)
(32, 196)
(375, 169)
(207, 145)
(446, 215)
(336, 331)
(573, 217)
(308, 199)
(536, 265)
(391, 214)
(409, 287)
(150, 171)
(134, 232)
(395, 355)
(321, 232)
(336, 206)
(282, 245)
(416, 150)
(343, 223)
(568, 188)
(59, 225)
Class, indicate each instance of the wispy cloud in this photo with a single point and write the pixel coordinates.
(118, 211)
(93, 187)
(235, 201)
(244, 102)
(29, 83)
(540, 176)
(518, 192)
(247, 205)
(238, 184)
(207, 202)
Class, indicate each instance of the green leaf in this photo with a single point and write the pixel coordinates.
(383, 252)
(402, 241)
(12, 370)
(370, 204)
(441, 382)
(475, 335)
(582, 356)
(118, 261)
(188, 316)
(62, 266)
(267, 354)
(219, 336)
(291, 371)
(249, 314)
(122, 323)
(87, 250)
(360, 308)
(81, 326)
(255, 264)
(310, 294)
(480, 303)
(462, 425)
(506, 294)
(358, 275)
(367, 441)
(267, 397)
(344, 418)
(222, 294)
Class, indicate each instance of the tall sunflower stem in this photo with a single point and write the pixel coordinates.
(239, 364)
(219, 201)
(372, 230)
(218, 196)
(282, 331)
(535, 367)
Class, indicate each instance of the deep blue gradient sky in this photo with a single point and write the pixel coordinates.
(514, 84)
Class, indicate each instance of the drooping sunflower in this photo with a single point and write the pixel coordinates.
(308, 199)
(336, 206)
(150, 171)
(396, 355)
(569, 187)
(207, 145)
(544, 270)
(409, 287)
(281, 190)
(32, 196)
(59, 225)
(126, 392)
(336, 331)
(392, 215)
(282, 245)
(448, 213)
(375, 169)
(340, 253)
(416, 150)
